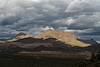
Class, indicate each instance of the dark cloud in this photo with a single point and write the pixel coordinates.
(79, 16)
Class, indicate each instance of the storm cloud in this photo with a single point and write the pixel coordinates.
(32, 16)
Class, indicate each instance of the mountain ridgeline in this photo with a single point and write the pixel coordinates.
(65, 37)
(50, 44)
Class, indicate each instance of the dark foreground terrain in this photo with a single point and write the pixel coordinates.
(4, 62)
(25, 61)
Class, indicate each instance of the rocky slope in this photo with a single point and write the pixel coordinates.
(66, 37)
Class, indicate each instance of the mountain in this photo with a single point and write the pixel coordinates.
(19, 36)
(23, 35)
(89, 41)
(66, 37)
(49, 44)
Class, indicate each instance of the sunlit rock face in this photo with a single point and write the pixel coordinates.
(66, 37)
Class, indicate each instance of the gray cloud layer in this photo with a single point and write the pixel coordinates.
(80, 16)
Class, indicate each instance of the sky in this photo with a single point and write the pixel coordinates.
(32, 16)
